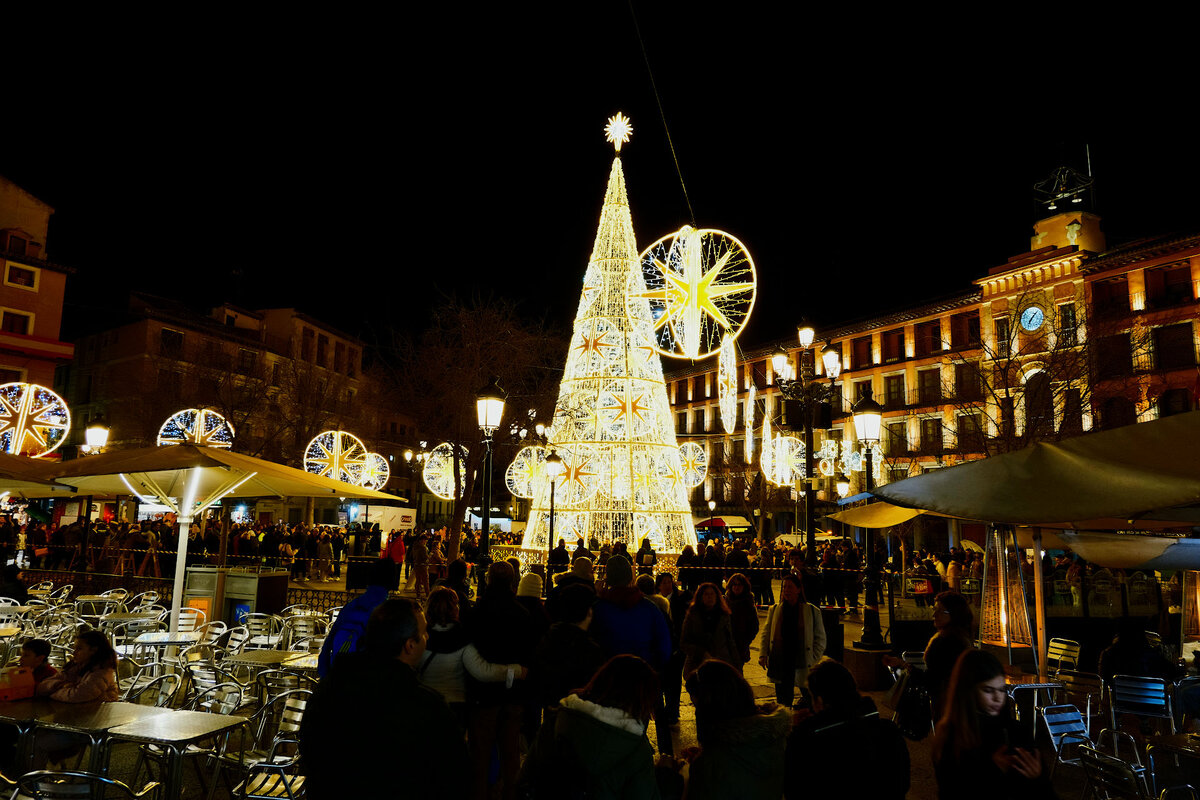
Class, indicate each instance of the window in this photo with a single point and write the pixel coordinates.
(25, 277)
(698, 421)
(307, 338)
(861, 389)
(1116, 412)
(247, 359)
(1068, 334)
(893, 346)
(681, 422)
(352, 363)
(339, 356)
(897, 472)
(835, 399)
(698, 387)
(230, 320)
(1003, 337)
(1174, 401)
(1072, 419)
(276, 373)
(860, 353)
(16, 245)
(760, 374)
(970, 433)
(929, 385)
(170, 343)
(1039, 406)
(322, 350)
(968, 384)
(1169, 286)
(1111, 298)
(893, 391)
(681, 391)
(1114, 356)
(12, 375)
(1008, 417)
(897, 438)
(16, 322)
(964, 331)
(929, 338)
(931, 436)
(1173, 348)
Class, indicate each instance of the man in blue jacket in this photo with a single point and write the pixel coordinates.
(352, 619)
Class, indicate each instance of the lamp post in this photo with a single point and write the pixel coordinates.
(868, 417)
(489, 405)
(809, 394)
(95, 436)
(554, 470)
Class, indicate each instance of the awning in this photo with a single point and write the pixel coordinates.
(726, 521)
(876, 515)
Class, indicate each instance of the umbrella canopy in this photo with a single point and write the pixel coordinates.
(1130, 472)
(726, 521)
(189, 478)
(19, 476)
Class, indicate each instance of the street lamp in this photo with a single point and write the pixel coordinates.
(554, 470)
(808, 394)
(868, 418)
(95, 436)
(489, 404)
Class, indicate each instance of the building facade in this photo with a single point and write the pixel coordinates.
(1066, 338)
(31, 295)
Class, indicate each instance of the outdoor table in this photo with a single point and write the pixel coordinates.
(117, 617)
(1029, 683)
(258, 658)
(167, 639)
(8, 631)
(302, 661)
(90, 719)
(173, 732)
(14, 611)
(1183, 747)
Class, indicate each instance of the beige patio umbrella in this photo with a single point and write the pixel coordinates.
(190, 478)
(20, 475)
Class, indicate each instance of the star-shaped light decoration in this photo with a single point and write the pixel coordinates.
(694, 462)
(618, 130)
(336, 454)
(33, 419)
(201, 426)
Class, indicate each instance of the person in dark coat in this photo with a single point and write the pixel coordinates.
(568, 656)
(559, 559)
(826, 747)
(377, 689)
(671, 676)
(742, 613)
(708, 631)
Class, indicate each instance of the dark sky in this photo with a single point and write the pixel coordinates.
(358, 167)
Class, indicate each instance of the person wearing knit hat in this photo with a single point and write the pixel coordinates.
(618, 572)
(530, 586)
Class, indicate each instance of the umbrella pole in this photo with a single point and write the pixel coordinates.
(1039, 603)
(185, 526)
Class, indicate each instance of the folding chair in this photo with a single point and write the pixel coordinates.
(1143, 697)
(1116, 778)
(1083, 689)
(1062, 653)
(62, 785)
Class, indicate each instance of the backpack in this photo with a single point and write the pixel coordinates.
(344, 635)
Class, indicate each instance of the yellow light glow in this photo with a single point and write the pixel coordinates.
(618, 130)
(694, 462)
(375, 472)
(727, 384)
(200, 426)
(336, 454)
(438, 473)
(33, 419)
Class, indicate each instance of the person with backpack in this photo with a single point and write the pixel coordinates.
(343, 636)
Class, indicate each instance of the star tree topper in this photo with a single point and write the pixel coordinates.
(618, 130)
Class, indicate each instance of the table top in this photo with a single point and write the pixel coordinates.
(10, 610)
(1185, 743)
(258, 657)
(1031, 682)
(166, 638)
(177, 727)
(96, 716)
(128, 616)
(8, 630)
(95, 598)
(304, 661)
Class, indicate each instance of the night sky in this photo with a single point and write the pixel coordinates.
(360, 168)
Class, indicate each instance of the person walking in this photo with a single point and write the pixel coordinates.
(743, 614)
(708, 631)
(792, 640)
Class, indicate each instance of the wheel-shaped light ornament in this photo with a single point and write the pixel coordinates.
(336, 454)
(693, 463)
(727, 394)
(624, 412)
(201, 426)
(782, 460)
(700, 284)
(525, 470)
(33, 419)
(647, 526)
(439, 471)
(375, 472)
(750, 393)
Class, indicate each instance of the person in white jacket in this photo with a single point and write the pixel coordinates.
(449, 657)
(792, 640)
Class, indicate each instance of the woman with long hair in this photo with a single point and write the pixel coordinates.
(743, 613)
(91, 675)
(792, 640)
(599, 739)
(952, 619)
(979, 750)
(741, 746)
(708, 630)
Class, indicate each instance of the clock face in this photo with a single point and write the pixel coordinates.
(1031, 318)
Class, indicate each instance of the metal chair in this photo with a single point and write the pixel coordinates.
(265, 631)
(1062, 653)
(1116, 778)
(276, 777)
(51, 785)
(223, 698)
(1065, 727)
(301, 627)
(189, 619)
(274, 724)
(139, 601)
(1145, 697)
(61, 594)
(210, 632)
(297, 608)
(1082, 689)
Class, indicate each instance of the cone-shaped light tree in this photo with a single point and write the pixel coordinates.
(612, 424)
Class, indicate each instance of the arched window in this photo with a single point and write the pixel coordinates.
(1039, 406)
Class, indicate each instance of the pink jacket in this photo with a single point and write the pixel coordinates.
(71, 687)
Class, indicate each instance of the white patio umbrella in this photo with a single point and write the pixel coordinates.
(199, 477)
(20, 475)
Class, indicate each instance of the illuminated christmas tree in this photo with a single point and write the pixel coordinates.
(612, 426)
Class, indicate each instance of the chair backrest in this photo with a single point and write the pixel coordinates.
(281, 716)
(210, 632)
(190, 619)
(1062, 653)
(143, 599)
(1146, 697)
(8, 601)
(303, 627)
(159, 691)
(1064, 723)
(296, 609)
(62, 592)
(223, 698)
(236, 642)
(1076, 683)
(44, 586)
(122, 594)
(275, 682)
(51, 785)
(1114, 776)
(333, 614)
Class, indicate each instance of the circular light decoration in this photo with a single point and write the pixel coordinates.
(439, 471)
(33, 419)
(727, 384)
(782, 460)
(694, 464)
(201, 426)
(526, 468)
(336, 454)
(700, 284)
(375, 472)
